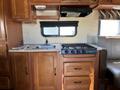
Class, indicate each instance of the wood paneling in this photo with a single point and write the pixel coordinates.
(44, 71)
(21, 71)
(2, 29)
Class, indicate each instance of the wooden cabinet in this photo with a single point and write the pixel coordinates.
(44, 65)
(34, 71)
(21, 71)
(116, 1)
(78, 72)
(109, 1)
(45, 1)
(20, 9)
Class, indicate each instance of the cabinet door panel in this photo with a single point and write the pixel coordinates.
(44, 71)
(20, 9)
(4, 83)
(21, 71)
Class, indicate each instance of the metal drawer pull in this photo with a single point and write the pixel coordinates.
(77, 82)
(77, 68)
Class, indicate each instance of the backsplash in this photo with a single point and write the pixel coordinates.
(87, 27)
(112, 46)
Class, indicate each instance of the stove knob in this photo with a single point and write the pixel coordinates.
(66, 51)
(72, 52)
(79, 51)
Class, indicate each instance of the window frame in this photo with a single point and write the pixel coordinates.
(58, 24)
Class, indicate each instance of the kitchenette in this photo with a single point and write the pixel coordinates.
(58, 44)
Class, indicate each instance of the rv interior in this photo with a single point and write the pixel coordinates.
(59, 44)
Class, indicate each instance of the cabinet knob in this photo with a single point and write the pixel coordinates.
(26, 71)
(55, 71)
(77, 68)
(77, 82)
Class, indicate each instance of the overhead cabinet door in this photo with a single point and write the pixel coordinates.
(20, 9)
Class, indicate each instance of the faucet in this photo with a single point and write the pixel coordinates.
(46, 42)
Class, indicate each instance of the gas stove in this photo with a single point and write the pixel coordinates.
(81, 48)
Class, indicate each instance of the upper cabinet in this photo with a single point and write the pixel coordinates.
(45, 1)
(20, 9)
(109, 1)
(81, 2)
(116, 1)
(2, 31)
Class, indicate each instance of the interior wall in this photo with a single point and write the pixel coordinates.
(87, 31)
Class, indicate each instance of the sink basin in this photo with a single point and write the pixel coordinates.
(45, 46)
(35, 47)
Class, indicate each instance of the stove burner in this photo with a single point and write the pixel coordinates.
(77, 49)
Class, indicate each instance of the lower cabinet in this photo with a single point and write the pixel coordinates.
(44, 71)
(4, 67)
(44, 65)
(78, 73)
(34, 71)
(21, 72)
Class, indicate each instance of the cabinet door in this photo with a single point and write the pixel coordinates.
(44, 71)
(20, 9)
(2, 31)
(3, 59)
(45, 1)
(21, 71)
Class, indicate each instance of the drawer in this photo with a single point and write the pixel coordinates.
(76, 83)
(4, 83)
(79, 68)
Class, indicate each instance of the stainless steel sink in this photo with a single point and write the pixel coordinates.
(35, 47)
(45, 46)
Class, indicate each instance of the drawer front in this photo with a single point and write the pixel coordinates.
(4, 83)
(77, 69)
(76, 83)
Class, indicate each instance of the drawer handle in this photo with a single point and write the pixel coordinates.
(77, 82)
(77, 68)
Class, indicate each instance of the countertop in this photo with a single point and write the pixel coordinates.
(32, 48)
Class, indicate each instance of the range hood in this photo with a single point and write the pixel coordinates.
(75, 11)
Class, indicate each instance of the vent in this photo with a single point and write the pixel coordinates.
(75, 11)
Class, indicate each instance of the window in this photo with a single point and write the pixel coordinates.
(109, 27)
(58, 28)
